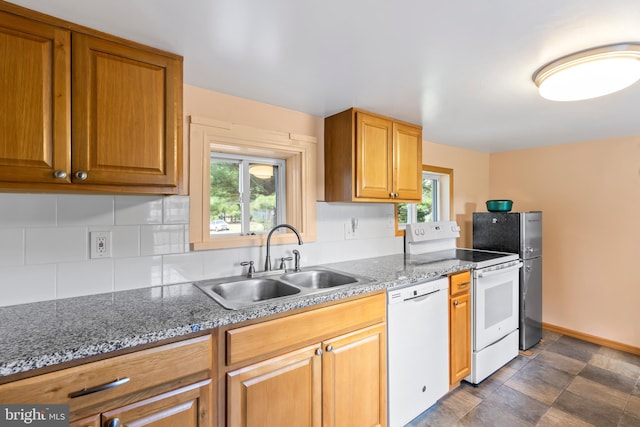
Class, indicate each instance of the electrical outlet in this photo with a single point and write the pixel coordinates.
(349, 234)
(350, 230)
(391, 221)
(100, 244)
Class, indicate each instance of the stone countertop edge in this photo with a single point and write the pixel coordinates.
(47, 333)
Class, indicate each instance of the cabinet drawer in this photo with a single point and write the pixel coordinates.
(460, 282)
(144, 369)
(273, 336)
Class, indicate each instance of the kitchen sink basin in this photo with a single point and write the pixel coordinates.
(318, 278)
(242, 293)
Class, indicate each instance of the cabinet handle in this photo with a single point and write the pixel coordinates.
(456, 302)
(81, 175)
(391, 195)
(397, 195)
(60, 174)
(85, 391)
(114, 422)
(319, 352)
(329, 347)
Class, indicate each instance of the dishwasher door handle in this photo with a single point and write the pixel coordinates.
(422, 297)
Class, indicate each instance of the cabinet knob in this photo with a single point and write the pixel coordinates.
(114, 423)
(329, 347)
(81, 175)
(456, 302)
(60, 174)
(396, 195)
(319, 352)
(391, 195)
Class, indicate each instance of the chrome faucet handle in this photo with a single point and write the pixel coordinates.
(252, 269)
(296, 254)
(283, 266)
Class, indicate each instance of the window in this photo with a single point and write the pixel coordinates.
(244, 180)
(436, 205)
(247, 194)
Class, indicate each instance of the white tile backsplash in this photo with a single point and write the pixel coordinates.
(51, 245)
(161, 239)
(11, 246)
(44, 244)
(131, 210)
(23, 284)
(182, 268)
(84, 278)
(139, 272)
(125, 241)
(85, 210)
(176, 210)
(28, 210)
(224, 263)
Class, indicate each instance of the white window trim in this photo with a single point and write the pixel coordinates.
(299, 153)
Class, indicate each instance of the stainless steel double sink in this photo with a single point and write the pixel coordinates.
(240, 291)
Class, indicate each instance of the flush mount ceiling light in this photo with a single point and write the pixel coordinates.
(590, 73)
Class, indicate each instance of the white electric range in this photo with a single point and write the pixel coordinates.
(494, 292)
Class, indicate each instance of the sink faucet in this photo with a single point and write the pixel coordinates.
(267, 261)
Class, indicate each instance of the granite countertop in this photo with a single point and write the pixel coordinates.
(43, 334)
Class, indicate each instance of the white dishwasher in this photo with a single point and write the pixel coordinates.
(418, 348)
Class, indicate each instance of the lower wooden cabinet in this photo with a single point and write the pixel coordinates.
(169, 385)
(93, 421)
(459, 326)
(339, 380)
(185, 407)
(354, 373)
(284, 390)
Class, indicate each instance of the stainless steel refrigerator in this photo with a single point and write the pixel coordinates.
(521, 233)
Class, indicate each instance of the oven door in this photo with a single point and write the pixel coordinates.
(495, 296)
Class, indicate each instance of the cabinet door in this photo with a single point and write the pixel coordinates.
(407, 162)
(188, 406)
(460, 337)
(34, 101)
(125, 114)
(282, 391)
(374, 157)
(354, 382)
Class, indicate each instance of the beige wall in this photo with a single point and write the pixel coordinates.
(589, 193)
(470, 182)
(220, 106)
(590, 197)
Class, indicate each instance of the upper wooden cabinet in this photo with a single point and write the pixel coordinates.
(85, 111)
(35, 60)
(372, 158)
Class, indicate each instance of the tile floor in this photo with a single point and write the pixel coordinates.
(563, 382)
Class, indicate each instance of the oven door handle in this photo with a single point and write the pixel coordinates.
(501, 271)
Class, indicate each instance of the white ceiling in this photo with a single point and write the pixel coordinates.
(461, 68)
